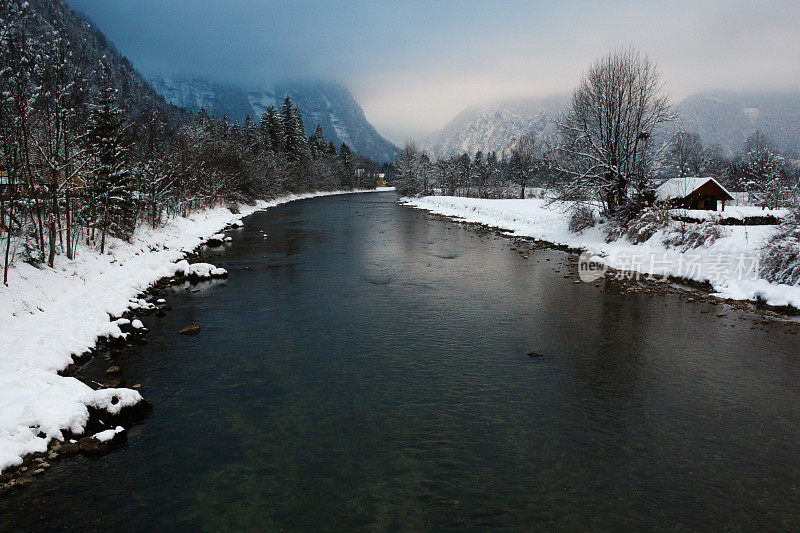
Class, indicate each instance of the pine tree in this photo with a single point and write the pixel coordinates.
(296, 142)
(264, 131)
(114, 209)
(317, 143)
(348, 166)
(277, 134)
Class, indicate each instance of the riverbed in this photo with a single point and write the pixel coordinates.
(366, 365)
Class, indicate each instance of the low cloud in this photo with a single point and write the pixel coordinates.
(415, 65)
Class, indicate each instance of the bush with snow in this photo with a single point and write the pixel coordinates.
(780, 262)
(638, 228)
(688, 236)
(581, 218)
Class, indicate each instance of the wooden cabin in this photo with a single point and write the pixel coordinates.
(694, 193)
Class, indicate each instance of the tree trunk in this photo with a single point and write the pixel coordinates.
(52, 257)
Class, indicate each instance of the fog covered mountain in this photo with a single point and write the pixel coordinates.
(728, 118)
(495, 126)
(328, 104)
(88, 45)
(719, 118)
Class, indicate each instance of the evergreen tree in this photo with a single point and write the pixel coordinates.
(296, 142)
(348, 166)
(115, 207)
(264, 131)
(317, 143)
(276, 131)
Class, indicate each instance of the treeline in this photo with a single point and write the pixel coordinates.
(510, 175)
(78, 166)
(611, 149)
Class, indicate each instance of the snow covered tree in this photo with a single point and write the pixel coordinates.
(296, 144)
(526, 161)
(408, 170)
(114, 211)
(264, 131)
(348, 168)
(765, 172)
(714, 163)
(607, 136)
(684, 155)
(317, 143)
(277, 134)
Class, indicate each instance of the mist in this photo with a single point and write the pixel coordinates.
(415, 65)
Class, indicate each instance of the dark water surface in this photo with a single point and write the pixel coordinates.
(368, 371)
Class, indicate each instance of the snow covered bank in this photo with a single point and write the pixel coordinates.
(549, 222)
(48, 316)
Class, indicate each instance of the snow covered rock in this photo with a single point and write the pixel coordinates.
(198, 271)
(216, 240)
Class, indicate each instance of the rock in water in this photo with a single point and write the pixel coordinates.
(191, 329)
(92, 446)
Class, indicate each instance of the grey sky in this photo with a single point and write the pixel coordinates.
(413, 65)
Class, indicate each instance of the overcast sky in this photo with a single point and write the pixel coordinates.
(413, 65)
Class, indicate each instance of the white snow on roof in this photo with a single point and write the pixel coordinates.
(682, 187)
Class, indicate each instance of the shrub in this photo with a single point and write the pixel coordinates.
(687, 236)
(582, 217)
(639, 227)
(780, 260)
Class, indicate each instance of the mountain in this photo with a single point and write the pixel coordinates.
(88, 46)
(719, 118)
(728, 118)
(495, 126)
(328, 104)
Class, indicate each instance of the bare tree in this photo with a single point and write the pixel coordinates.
(526, 161)
(607, 136)
(684, 155)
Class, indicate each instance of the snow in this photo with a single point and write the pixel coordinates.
(107, 435)
(549, 221)
(682, 187)
(49, 315)
(199, 270)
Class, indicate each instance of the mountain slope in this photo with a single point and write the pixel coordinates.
(494, 127)
(728, 118)
(328, 104)
(89, 46)
(720, 118)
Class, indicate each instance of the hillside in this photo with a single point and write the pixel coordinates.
(495, 126)
(328, 104)
(88, 46)
(719, 118)
(728, 118)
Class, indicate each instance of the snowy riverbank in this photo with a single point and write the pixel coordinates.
(549, 222)
(48, 316)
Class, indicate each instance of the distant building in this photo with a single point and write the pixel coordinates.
(693, 193)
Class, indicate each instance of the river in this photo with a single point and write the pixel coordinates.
(365, 366)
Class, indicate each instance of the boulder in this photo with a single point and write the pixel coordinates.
(92, 446)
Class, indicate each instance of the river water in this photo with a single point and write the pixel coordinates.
(365, 366)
